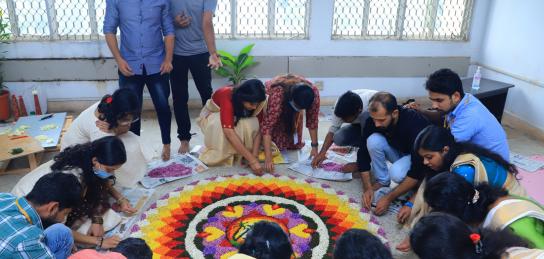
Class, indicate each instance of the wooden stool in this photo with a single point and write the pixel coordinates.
(32, 149)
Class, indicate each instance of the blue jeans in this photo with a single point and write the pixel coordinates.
(159, 89)
(379, 151)
(179, 79)
(59, 240)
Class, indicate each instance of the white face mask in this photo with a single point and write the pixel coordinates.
(292, 103)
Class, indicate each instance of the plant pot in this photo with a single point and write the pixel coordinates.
(4, 105)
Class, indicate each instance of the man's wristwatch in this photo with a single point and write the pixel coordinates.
(314, 144)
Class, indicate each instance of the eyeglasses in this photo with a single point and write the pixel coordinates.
(127, 123)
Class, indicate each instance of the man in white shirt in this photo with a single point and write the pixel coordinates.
(351, 107)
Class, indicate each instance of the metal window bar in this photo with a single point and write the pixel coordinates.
(68, 19)
(14, 28)
(92, 18)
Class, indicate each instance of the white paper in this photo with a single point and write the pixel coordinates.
(525, 163)
(137, 197)
(305, 168)
(186, 160)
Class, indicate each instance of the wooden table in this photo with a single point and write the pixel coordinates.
(32, 149)
(492, 94)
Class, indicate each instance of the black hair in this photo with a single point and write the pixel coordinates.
(134, 248)
(108, 151)
(451, 193)
(267, 240)
(302, 95)
(349, 104)
(56, 187)
(360, 244)
(445, 81)
(387, 100)
(434, 138)
(249, 91)
(440, 235)
(121, 103)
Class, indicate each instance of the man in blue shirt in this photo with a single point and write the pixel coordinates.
(145, 58)
(194, 51)
(467, 118)
(23, 219)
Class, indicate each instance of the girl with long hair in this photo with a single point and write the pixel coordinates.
(281, 126)
(266, 240)
(94, 164)
(489, 206)
(230, 125)
(438, 151)
(113, 115)
(440, 235)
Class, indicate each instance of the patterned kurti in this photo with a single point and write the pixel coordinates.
(272, 122)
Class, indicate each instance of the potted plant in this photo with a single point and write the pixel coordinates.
(4, 93)
(234, 66)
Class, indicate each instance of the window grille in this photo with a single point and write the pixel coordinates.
(272, 19)
(83, 19)
(402, 19)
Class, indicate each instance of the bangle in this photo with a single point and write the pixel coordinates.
(409, 204)
(314, 144)
(97, 220)
(99, 243)
(121, 200)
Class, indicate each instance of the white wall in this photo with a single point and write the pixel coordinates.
(319, 44)
(514, 43)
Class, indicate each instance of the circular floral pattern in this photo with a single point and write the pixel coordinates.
(210, 218)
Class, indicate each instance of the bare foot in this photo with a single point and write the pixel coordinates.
(165, 152)
(183, 147)
(404, 246)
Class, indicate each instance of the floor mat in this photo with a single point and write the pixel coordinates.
(532, 181)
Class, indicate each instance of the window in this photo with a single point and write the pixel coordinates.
(276, 19)
(83, 19)
(402, 19)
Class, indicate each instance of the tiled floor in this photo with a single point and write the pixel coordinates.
(519, 143)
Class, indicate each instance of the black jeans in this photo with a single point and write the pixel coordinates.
(179, 81)
(159, 90)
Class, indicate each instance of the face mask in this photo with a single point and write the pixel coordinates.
(102, 174)
(292, 103)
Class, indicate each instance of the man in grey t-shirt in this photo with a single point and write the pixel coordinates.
(194, 51)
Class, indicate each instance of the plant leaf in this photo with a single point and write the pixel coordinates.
(227, 62)
(225, 55)
(247, 49)
(248, 63)
(241, 59)
(222, 71)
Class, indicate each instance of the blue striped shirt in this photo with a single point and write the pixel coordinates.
(143, 23)
(18, 237)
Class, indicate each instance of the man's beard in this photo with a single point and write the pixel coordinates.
(47, 222)
(387, 129)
